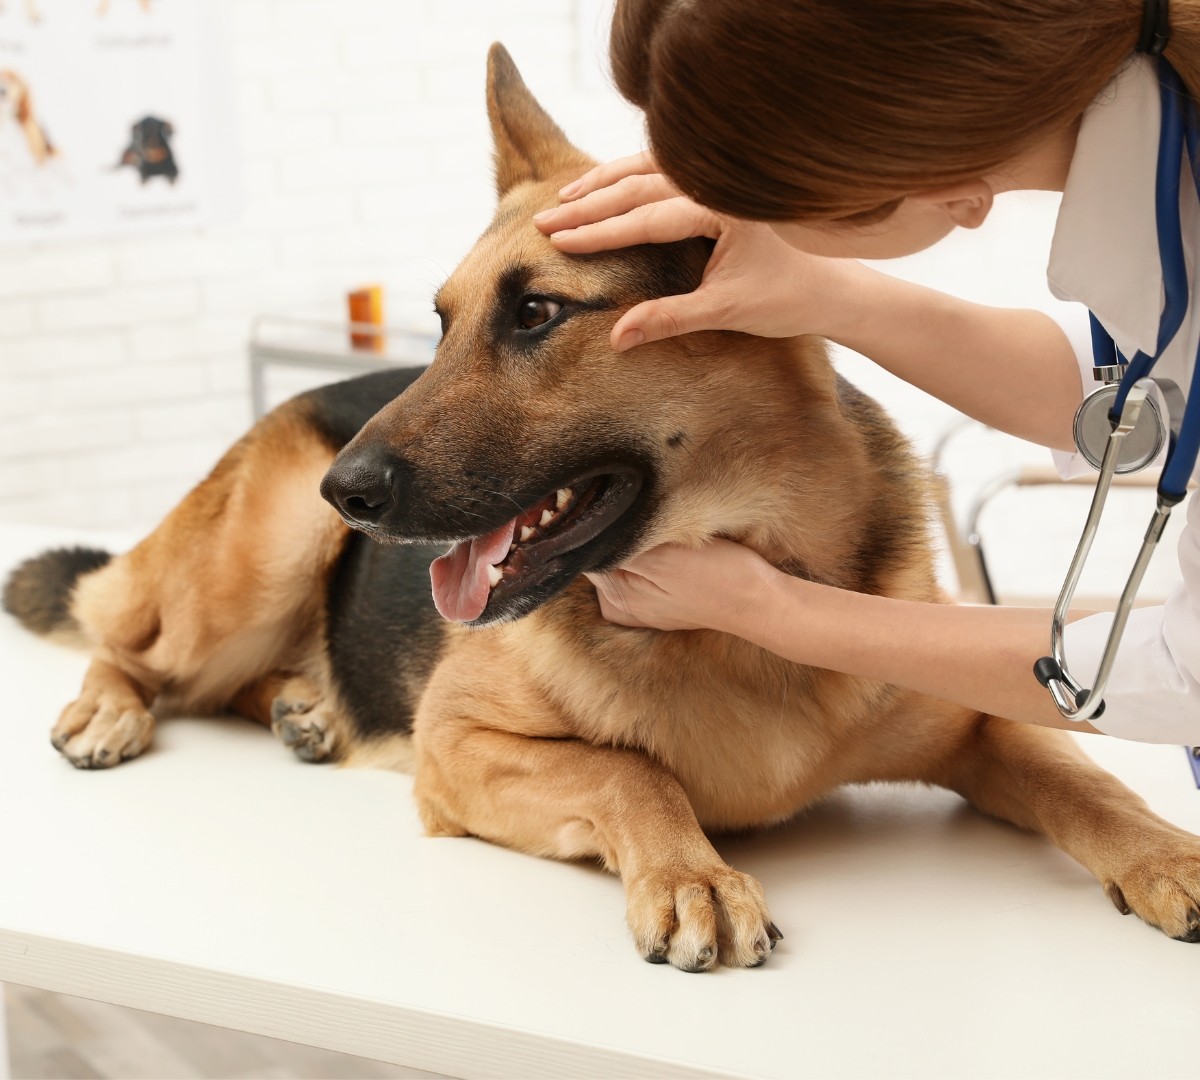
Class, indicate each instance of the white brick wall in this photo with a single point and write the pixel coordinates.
(365, 157)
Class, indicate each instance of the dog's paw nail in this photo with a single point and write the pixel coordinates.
(703, 960)
(658, 951)
(1113, 891)
(102, 755)
(763, 948)
(309, 751)
(289, 733)
(774, 933)
(281, 708)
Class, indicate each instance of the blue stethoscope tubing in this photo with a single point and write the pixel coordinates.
(1180, 129)
(1178, 115)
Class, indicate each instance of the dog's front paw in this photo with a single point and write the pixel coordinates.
(304, 725)
(696, 918)
(103, 729)
(1163, 889)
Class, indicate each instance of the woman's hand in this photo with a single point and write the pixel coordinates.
(754, 281)
(718, 586)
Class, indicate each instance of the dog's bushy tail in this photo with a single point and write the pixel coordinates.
(38, 592)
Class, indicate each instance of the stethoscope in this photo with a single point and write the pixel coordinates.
(1120, 427)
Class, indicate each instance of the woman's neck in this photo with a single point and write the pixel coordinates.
(1043, 167)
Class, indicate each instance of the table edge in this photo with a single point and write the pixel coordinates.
(454, 1045)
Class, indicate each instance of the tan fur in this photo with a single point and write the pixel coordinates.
(225, 593)
(560, 734)
(21, 103)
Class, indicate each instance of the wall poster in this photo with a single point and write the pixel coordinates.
(115, 116)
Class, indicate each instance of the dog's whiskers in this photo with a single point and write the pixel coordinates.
(503, 495)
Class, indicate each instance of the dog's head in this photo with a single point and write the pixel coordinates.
(529, 446)
(149, 141)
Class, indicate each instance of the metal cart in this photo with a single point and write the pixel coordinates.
(326, 345)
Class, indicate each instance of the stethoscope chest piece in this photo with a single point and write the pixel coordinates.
(1093, 427)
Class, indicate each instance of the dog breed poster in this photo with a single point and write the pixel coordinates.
(114, 118)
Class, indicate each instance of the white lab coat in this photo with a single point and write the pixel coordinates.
(1105, 255)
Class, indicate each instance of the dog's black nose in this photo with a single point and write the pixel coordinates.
(362, 485)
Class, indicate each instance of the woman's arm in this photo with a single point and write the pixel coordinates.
(978, 657)
(1013, 369)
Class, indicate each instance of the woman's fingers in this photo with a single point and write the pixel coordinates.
(609, 173)
(654, 223)
(614, 602)
(619, 198)
(666, 317)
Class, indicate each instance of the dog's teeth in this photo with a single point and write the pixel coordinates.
(562, 497)
(547, 517)
(526, 533)
(494, 576)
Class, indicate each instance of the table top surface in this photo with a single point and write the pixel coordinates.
(220, 879)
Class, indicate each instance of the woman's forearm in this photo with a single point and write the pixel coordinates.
(1014, 370)
(979, 657)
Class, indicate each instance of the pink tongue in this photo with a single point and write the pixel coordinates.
(460, 577)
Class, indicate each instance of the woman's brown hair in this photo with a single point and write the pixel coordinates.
(820, 110)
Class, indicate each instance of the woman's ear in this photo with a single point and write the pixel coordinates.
(966, 205)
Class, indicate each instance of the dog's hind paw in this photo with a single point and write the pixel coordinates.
(102, 730)
(304, 726)
(695, 919)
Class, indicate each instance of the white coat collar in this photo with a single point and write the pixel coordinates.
(1105, 248)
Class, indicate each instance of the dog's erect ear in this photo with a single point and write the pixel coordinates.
(529, 145)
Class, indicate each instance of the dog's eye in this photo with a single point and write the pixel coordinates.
(536, 310)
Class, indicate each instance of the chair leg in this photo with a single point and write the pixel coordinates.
(5, 1071)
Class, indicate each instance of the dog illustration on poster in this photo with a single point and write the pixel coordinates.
(149, 150)
(32, 11)
(16, 107)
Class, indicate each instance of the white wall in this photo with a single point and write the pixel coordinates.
(366, 158)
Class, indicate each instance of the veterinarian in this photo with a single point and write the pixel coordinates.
(806, 134)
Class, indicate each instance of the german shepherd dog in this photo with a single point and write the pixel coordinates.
(535, 453)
